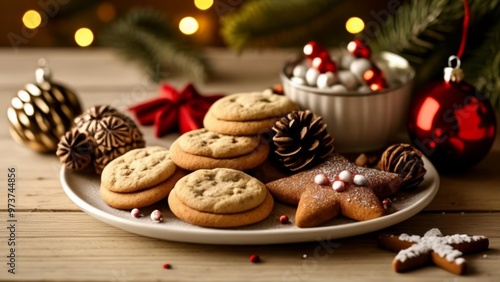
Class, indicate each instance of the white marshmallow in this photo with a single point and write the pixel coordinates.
(298, 80)
(338, 88)
(364, 89)
(326, 80)
(348, 79)
(299, 71)
(312, 76)
(359, 66)
(346, 60)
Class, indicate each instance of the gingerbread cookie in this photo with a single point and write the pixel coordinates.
(137, 170)
(240, 162)
(444, 251)
(144, 197)
(334, 187)
(220, 198)
(247, 113)
(202, 142)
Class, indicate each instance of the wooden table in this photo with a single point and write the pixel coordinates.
(55, 241)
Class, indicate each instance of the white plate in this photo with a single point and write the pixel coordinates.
(83, 190)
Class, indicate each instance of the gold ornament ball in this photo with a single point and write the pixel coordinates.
(42, 112)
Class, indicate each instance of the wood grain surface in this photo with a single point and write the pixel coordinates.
(55, 241)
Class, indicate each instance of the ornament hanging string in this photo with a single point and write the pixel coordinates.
(464, 29)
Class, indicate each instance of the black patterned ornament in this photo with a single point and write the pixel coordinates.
(42, 112)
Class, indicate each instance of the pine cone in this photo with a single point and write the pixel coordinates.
(113, 132)
(406, 160)
(89, 119)
(301, 140)
(114, 136)
(75, 149)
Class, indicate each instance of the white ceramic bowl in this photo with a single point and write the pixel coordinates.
(359, 122)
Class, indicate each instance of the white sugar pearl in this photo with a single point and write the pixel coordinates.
(348, 79)
(321, 179)
(364, 89)
(360, 180)
(135, 212)
(326, 80)
(156, 216)
(345, 176)
(346, 60)
(359, 66)
(312, 76)
(299, 71)
(338, 88)
(338, 186)
(298, 80)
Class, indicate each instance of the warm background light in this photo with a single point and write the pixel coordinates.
(354, 25)
(32, 19)
(106, 11)
(203, 4)
(188, 25)
(84, 37)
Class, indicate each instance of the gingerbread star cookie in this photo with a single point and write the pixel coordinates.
(444, 251)
(334, 187)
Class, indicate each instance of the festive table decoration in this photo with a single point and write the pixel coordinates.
(42, 112)
(301, 140)
(444, 251)
(183, 110)
(450, 121)
(405, 160)
(357, 72)
(100, 135)
(75, 149)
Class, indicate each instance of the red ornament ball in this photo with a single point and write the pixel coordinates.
(374, 78)
(324, 64)
(452, 124)
(313, 49)
(359, 48)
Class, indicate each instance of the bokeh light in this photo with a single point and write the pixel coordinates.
(84, 37)
(203, 4)
(188, 25)
(32, 19)
(354, 25)
(106, 11)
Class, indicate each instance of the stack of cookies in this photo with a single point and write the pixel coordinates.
(220, 198)
(232, 134)
(247, 113)
(139, 178)
(204, 149)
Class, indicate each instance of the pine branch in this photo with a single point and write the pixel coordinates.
(145, 37)
(263, 23)
(417, 27)
(420, 26)
(482, 65)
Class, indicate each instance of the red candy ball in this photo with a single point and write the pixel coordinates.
(324, 64)
(313, 49)
(359, 48)
(374, 78)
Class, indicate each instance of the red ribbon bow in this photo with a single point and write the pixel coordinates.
(184, 110)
